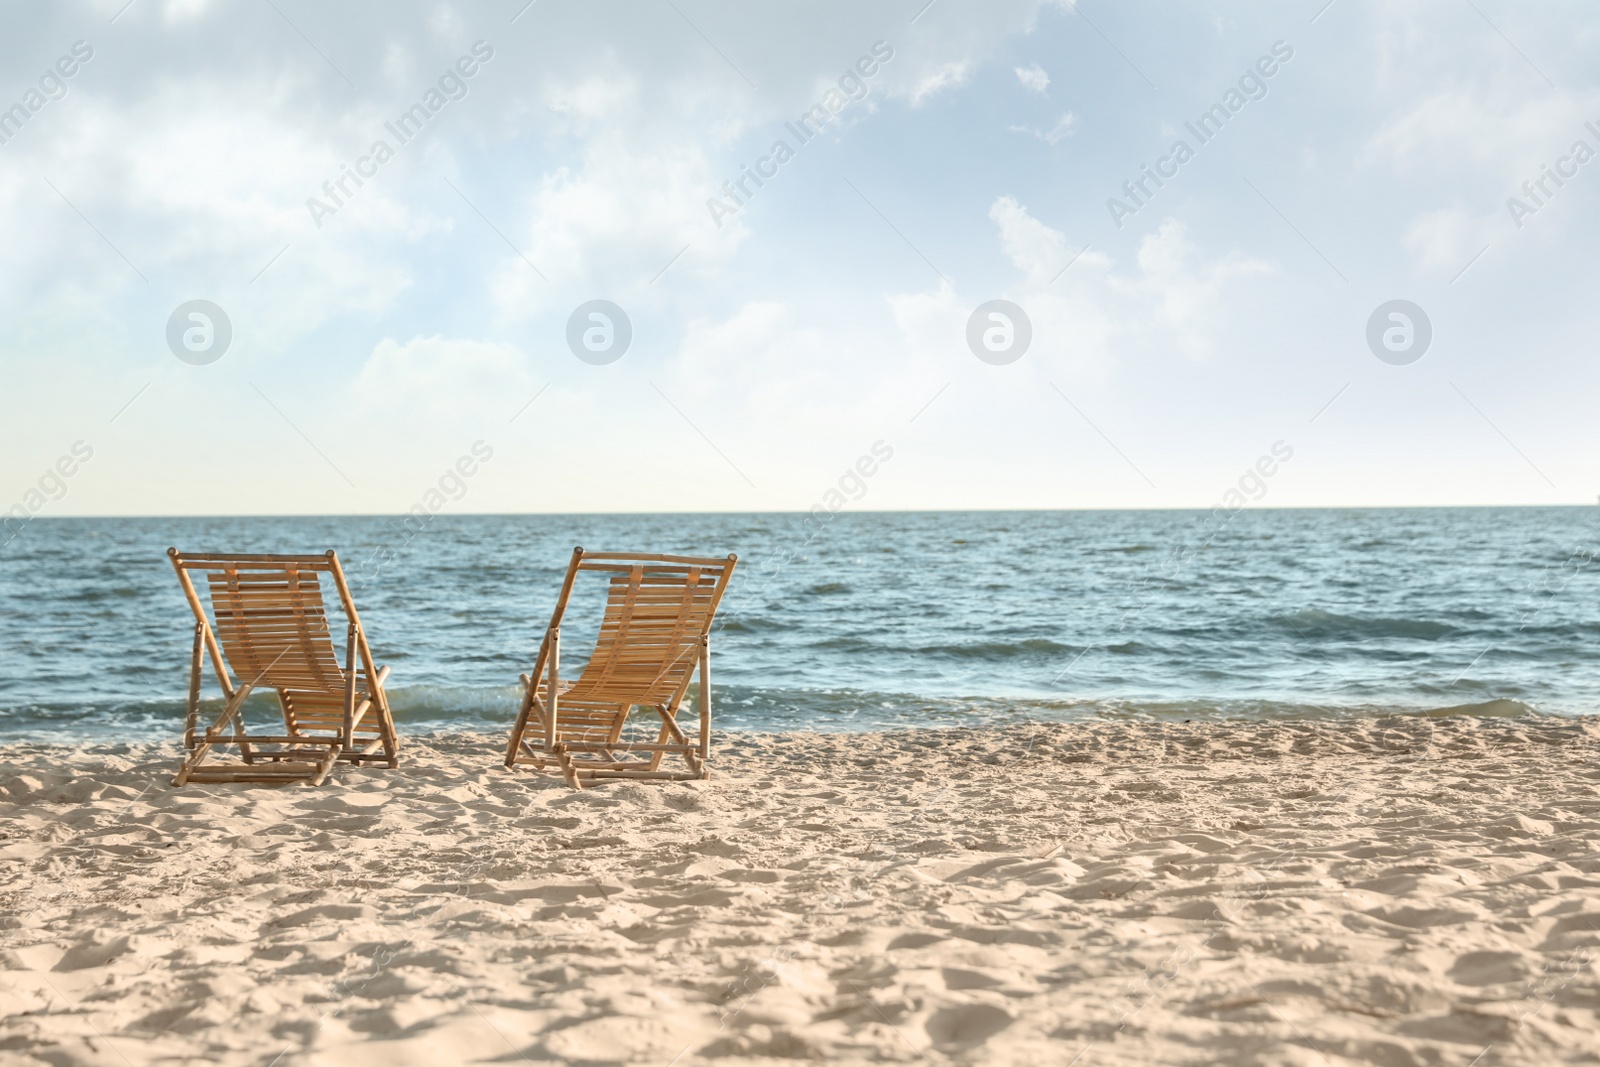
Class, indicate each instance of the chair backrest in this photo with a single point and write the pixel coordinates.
(270, 617)
(658, 608)
(274, 628)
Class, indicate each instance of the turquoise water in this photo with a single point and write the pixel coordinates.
(875, 620)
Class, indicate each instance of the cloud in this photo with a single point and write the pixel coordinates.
(1455, 123)
(1448, 237)
(931, 322)
(199, 186)
(946, 76)
(1033, 78)
(610, 224)
(1055, 135)
(1033, 248)
(1175, 290)
(950, 42)
(1077, 321)
(1183, 289)
(437, 377)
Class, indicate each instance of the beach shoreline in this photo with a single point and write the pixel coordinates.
(1388, 890)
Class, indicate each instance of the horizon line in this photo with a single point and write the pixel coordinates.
(797, 511)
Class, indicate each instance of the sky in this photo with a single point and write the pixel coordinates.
(1227, 333)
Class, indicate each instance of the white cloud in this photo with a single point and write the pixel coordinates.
(1055, 134)
(946, 76)
(1062, 129)
(439, 377)
(931, 322)
(1469, 122)
(1034, 248)
(175, 11)
(1175, 289)
(199, 186)
(606, 94)
(612, 224)
(1187, 291)
(1448, 237)
(1033, 78)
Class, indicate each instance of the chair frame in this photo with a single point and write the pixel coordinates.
(287, 764)
(586, 761)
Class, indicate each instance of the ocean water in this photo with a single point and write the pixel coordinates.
(873, 620)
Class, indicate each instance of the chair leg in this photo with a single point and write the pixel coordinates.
(661, 739)
(386, 730)
(523, 711)
(191, 718)
(568, 771)
(195, 757)
(670, 728)
(237, 726)
(325, 765)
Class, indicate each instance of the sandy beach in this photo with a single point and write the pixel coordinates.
(1387, 891)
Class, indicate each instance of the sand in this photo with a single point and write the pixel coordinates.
(1390, 891)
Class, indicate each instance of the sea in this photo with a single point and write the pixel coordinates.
(862, 621)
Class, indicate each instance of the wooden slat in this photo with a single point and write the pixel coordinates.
(659, 776)
(199, 560)
(704, 561)
(266, 739)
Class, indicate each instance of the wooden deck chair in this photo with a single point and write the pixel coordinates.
(272, 629)
(655, 632)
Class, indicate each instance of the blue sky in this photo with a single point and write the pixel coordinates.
(1228, 314)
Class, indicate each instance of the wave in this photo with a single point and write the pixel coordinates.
(847, 710)
(980, 650)
(425, 703)
(430, 709)
(1488, 709)
(429, 706)
(1318, 623)
(1032, 646)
